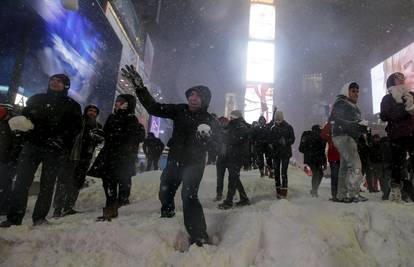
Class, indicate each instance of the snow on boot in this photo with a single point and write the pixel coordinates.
(395, 195)
(41, 222)
(7, 224)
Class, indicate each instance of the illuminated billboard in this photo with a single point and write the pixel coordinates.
(260, 62)
(403, 62)
(258, 101)
(262, 22)
(262, 1)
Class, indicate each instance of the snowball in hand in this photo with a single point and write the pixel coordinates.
(20, 123)
(203, 131)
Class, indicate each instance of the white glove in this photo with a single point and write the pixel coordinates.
(20, 123)
(363, 123)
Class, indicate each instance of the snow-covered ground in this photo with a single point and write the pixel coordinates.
(301, 231)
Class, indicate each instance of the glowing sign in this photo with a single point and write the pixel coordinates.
(20, 100)
(260, 62)
(262, 22)
(262, 1)
(258, 101)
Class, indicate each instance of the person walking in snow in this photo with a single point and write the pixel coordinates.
(194, 132)
(235, 134)
(73, 173)
(221, 165)
(52, 121)
(313, 148)
(153, 148)
(347, 127)
(262, 149)
(281, 138)
(397, 109)
(115, 163)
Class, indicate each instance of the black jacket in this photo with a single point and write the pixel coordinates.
(281, 137)
(153, 146)
(56, 118)
(345, 117)
(313, 148)
(87, 140)
(11, 143)
(184, 146)
(123, 133)
(234, 137)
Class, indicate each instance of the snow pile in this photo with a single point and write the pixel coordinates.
(301, 231)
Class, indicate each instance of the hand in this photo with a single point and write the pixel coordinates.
(363, 123)
(132, 75)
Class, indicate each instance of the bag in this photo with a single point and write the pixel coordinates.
(305, 142)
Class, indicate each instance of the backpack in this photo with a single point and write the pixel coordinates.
(305, 145)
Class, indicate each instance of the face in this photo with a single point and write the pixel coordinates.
(118, 104)
(56, 84)
(194, 101)
(92, 113)
(399, 80)
(353, 94)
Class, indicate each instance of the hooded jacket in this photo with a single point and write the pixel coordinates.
(345, 116)
(235, 135)
(57, 120)
(282, 137)
(123, 133)
(184, 146)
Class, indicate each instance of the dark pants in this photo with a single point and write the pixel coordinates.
(281, 164)
(317, 175)
(374, 175)
(116, 188)
(221, 170)
(334, 165)
(190, 176)
(152, 161)
(29, 159)
(69, 184)
(235, 183)
(263, 150)
(399, 149)
(7, 173)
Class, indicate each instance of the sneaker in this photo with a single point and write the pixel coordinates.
(41, 222)
(167, 214)
(243, 202)
(344, 200)
(225, 205)
(7, 224)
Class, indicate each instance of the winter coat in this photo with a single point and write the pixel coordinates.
(345, 117)
(281, 137)
(153, 146)
(234, 138)
(123, 133)
(87, 140)
(11, 143)
(333, 154)
(399, 121)
(185, 147)
(57, 120)
(375, 153)
(313, 148)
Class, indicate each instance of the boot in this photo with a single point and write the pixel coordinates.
(395, 195)
(271, 175)
(225, 205)
(262, 174)
(109, 213)
(218, 198)
(278, 193)
(283, 192)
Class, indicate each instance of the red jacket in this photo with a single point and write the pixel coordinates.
(333, 154)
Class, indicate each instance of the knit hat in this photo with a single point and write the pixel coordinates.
(64, 78)
(236, 114)
(279, 116)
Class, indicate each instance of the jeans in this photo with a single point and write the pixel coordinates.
(7, 173)
(317, 175)
(334, 165)
(235, 183)
(221, 170)
(284, 163)
(169, 183)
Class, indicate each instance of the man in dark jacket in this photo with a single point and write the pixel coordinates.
(281, 137)
(234, 136)
(397, 110)
(313, 148)
(347, 127)
(153, 148)
(56, 120)
(11, 143)
(73, 172)
(260, 133)
(115, 163)
(194, 132)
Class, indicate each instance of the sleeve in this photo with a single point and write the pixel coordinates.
(338, 114)
(154, 108)
(291, 136)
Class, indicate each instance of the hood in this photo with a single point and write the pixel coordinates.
(90, 106)
(132, 102)
(203, 91)
(345, 89)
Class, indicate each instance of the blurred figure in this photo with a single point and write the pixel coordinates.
(376, 163)
(262, 149)
(333, 159)
(115, 163)
(234, 136)
(153, 148)
(73, 173)
(221, 165)
(313, 148)
(52, 121)
(397, 108)
(347, 127)
(281, 138)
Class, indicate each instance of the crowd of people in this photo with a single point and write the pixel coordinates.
(52, 130)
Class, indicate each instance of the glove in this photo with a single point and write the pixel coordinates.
(20, 123)
(363, 123)
(132, 75)
(97, 135)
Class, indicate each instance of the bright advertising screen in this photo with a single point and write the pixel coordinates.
(258, 101)
(403, 62)
(260, 62)
(262, 22)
